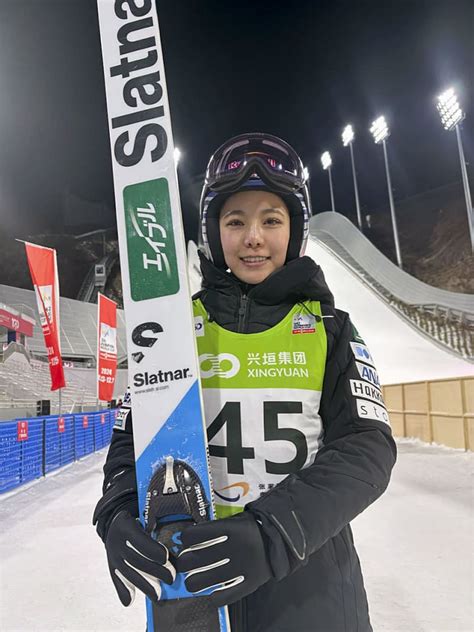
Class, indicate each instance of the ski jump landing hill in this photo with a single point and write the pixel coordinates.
(364, 283)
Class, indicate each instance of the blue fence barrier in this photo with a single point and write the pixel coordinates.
(101, 431)
(59, 442)
(30, 448)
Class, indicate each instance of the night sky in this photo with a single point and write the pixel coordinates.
(299, 70)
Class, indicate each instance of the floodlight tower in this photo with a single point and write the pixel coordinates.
(348, 139)
(380, 132)
(451, 117)
(327, 162)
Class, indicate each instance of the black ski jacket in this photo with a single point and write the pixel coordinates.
(317, 585)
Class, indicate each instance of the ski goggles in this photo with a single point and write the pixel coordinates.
(262, 155)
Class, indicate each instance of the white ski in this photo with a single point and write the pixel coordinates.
(168, 424)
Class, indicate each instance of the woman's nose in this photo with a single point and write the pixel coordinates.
(253, 236)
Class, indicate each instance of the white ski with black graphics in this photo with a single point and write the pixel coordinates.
(174, 484)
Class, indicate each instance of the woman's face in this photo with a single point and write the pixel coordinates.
(255, 232)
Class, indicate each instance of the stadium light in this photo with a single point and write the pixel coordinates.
(380, 131)
(326, 161)
(451, 117)
(347, 135)
(177, 155)
(347, 140)
(449, 109)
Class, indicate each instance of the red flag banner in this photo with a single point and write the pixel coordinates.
(44, 273)
(106, 348)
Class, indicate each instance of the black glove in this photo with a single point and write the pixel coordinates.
(135, 559)
(228, 554)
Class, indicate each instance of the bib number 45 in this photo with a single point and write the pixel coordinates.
(230, 417)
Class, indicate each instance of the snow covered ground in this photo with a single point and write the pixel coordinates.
(415, 546)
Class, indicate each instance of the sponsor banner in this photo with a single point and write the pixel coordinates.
(106, 348)
(370, 410)
(359, 388)
(362, 353)
(199, 326)
(368, 373)
(304, 324)
(121, 418)
(22, 431)
(44, 273)
(13, 320)
(270, 365)
(150, 240)
(225, 365)
(165, 378)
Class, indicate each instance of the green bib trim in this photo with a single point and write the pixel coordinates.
(292, 354)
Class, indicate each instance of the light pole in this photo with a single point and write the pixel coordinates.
(451, 116)
(327, 162)
(380, 132)
(348, 139)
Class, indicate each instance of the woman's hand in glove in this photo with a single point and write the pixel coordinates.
(136, 560)
(228, 555)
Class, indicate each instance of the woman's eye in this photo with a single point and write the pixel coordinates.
(273, 220)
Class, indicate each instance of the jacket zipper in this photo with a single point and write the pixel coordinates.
(242, 313)
(238, 609)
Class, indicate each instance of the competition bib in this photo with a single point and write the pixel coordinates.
(261, 400)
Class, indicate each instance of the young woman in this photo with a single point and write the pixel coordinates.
(299, 437)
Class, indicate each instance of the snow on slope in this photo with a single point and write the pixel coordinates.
(401, 354)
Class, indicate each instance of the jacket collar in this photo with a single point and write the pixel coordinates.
(298, 280)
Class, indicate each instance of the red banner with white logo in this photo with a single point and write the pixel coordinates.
(106, 348)
(44, 273)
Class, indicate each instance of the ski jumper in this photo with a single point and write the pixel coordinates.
(298, 435)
